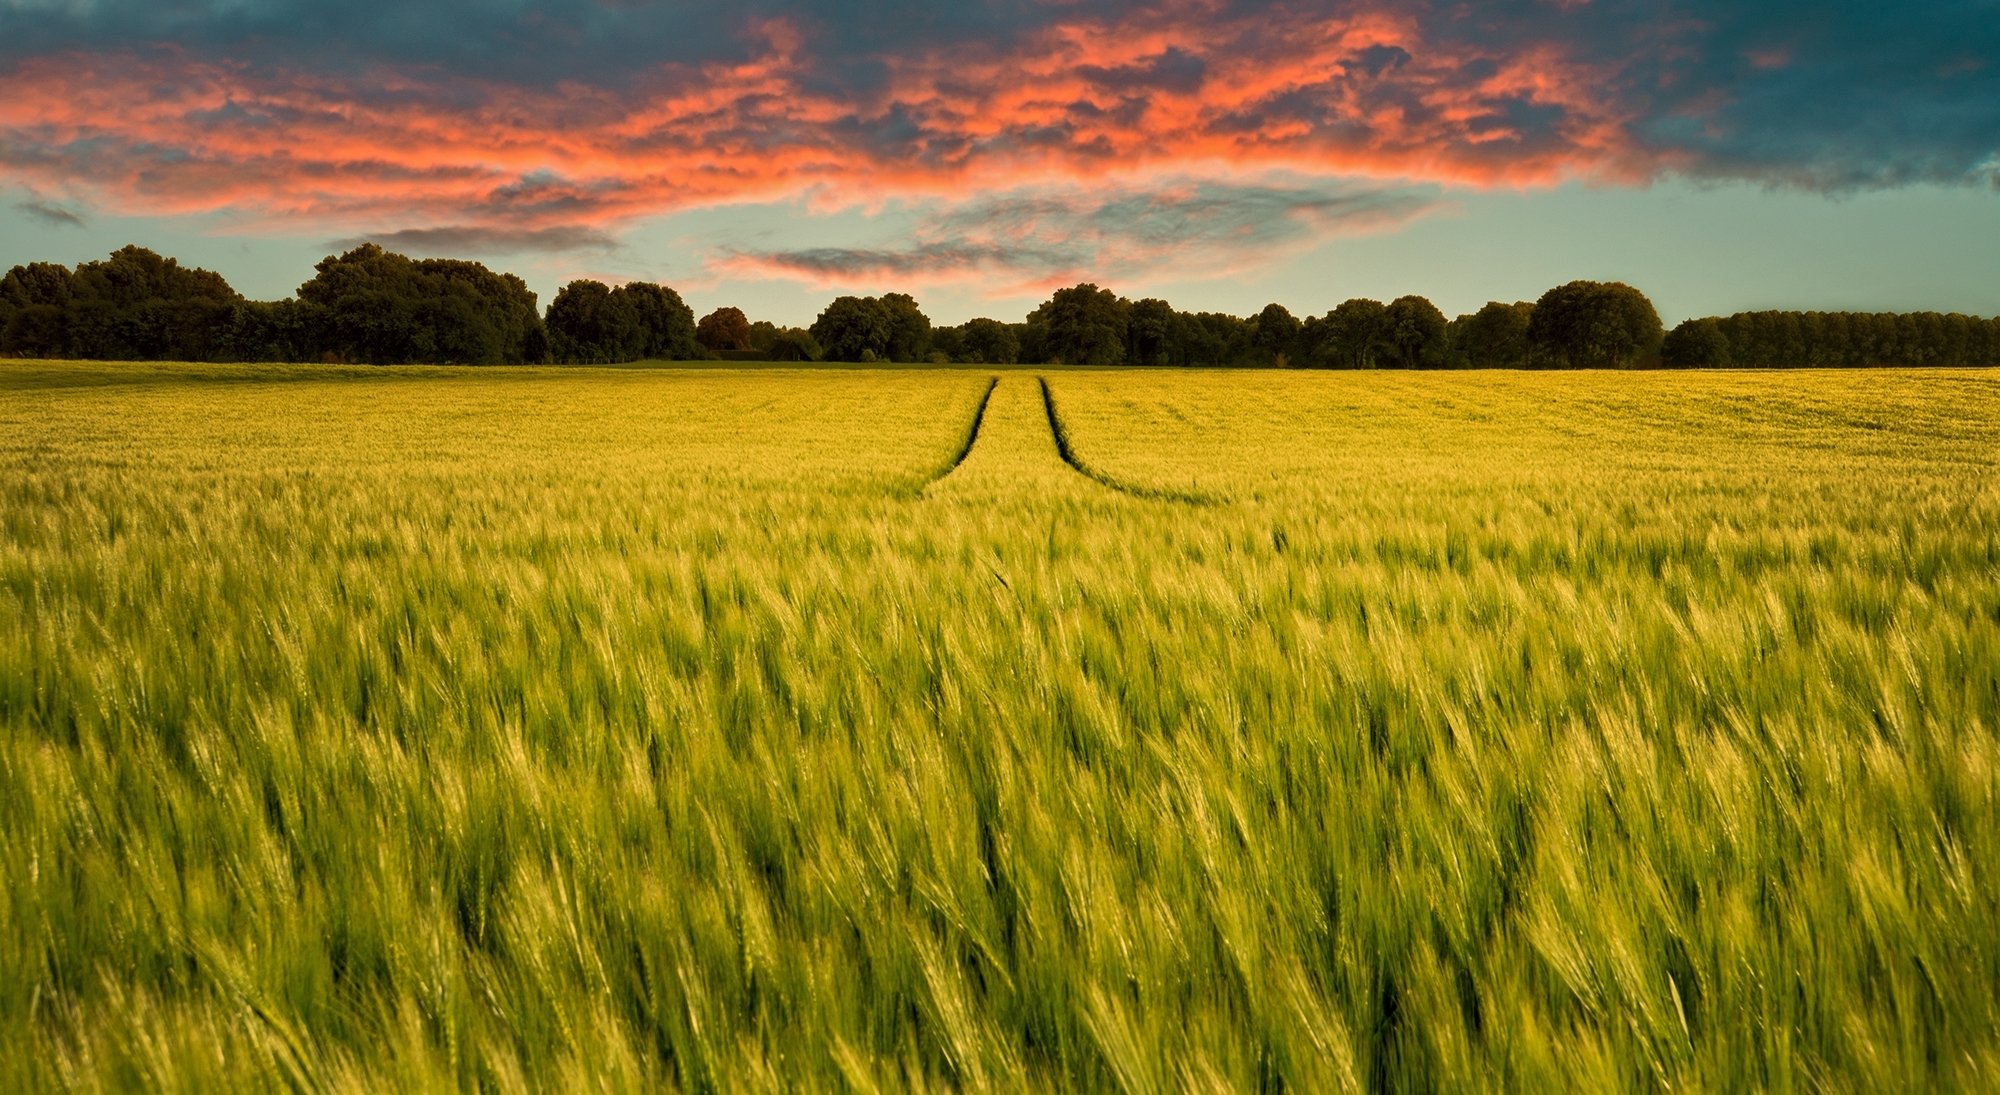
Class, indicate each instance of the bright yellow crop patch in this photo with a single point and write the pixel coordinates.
(400, 729)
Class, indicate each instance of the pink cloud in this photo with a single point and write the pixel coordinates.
(1364, 94)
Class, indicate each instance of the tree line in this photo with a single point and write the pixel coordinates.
(1779, 340)
(372, 306)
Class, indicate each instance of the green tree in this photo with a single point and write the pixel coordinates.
(909, 329)
(665, 318)
(987, 342)
(724, 329)
(137, 305)
(1152, 333)
(1494, 337)
(852, 326)
(1353, 335)
(1695, 344)
(1595, 325)
(1276, 335)
(1082, 325)
(793, 344)
(378, 307)
(591, 324)
(33, 299)
(1414, 331)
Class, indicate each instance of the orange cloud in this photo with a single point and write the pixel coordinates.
(1171, 91)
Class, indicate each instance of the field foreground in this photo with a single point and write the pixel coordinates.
(536, 729)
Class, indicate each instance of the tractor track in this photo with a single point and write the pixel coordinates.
(1068, 454)
(971, 439)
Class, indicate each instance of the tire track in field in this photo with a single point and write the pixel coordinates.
(1069, 456)
(971, 439)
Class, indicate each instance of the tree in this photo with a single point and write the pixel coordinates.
(987, 342)
(1494, 337)
(32, 302)
(793, 344)
(136, 305)
(1152, 333)
(1414, 332)
(376, 306)
(1595, 325)
(724, 329)
(1082, 325)
(1353, 335)
(1216, 338)
(665, 318)
(591, 324)
(777, 343)
(852, 326)
(1276, 335)
(909, 329)
(37, 283)
(262, 330)
(1696, 344)
(36, 330)
(480, 317)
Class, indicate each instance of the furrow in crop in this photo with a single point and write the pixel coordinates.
(971, 438)
(1068, 453)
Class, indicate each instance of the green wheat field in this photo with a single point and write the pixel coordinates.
(712, 730)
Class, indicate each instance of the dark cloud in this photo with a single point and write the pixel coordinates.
(472, 240)
(926, 260)
(536, 114)
(1039, 235)
(51, 214)
(1173, 70)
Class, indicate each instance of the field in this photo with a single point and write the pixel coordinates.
(720, 730)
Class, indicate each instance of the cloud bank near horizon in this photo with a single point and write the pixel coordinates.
(1036, 238)
(1039, 138)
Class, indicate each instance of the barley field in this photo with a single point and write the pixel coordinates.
(769, 730)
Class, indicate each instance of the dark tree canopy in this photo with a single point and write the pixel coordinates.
(1354, 335)
(44, 283)
(33, 300)
(370, 305)
(1695, 344)
(665, 318)
(854, 329)
(1082, 325)
(909, 329)
(1494, 337)
(1595, 325)
(777, 343)
(1153, 333)
(1784, 340)
(986, 342)
(590, 323)
(377, 307)
(724, 329)
(1276, 335)
(1413, 330)
(133, 305)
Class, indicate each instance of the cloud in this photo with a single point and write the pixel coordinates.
(502, 116)
(50, 213)
(478, 240)
(1035, 237)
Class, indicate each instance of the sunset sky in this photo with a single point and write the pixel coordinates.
(770, 154)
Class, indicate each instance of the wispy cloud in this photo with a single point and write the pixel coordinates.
(51, 213)
(481, 240)
(1038, 236)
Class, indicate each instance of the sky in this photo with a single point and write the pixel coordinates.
(1223, 154)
